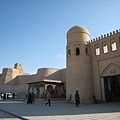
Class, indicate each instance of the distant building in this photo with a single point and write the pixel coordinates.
(92, 67)
(46, 79)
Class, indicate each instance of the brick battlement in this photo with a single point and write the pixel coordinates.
(105, 35)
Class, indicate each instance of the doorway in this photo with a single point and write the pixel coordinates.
(49, 89)
(112, 88)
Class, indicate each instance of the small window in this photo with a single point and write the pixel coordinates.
(69, 53)
(77, 51)
(86, 51)
(105, 49)
(114, 46)
(97, 51)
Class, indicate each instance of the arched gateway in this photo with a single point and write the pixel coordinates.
(111, 83)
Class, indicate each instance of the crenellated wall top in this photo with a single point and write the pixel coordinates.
(105, 35)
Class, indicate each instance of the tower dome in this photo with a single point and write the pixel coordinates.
(78, 29)
(78, 34)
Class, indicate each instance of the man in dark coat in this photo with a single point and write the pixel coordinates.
(33, 98)
(29, 98)
(77, 99)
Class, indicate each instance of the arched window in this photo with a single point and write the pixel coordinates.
(86, 51)
(69, 53)
(77, 51)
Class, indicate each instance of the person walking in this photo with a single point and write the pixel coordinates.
(33, 96)
(95, 100)
(29, 98)
(13, 95)
(48, 97)
(77, 99)
(4, 96)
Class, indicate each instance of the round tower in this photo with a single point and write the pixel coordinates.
(78, 68)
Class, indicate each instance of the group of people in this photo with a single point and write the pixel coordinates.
(31, 99)
(5, 95)
(77, 99)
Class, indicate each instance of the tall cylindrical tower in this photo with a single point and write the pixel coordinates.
(78, 68)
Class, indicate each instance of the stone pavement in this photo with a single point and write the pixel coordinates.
(58, 111)
(5, 116)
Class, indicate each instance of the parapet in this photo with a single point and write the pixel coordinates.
(5, 70)
(106, 35)
(46, 71)
(8, 74)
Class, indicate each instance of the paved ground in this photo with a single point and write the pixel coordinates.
(5, 116)
(14, 110)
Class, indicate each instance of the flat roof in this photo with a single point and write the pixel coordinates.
(47, 81)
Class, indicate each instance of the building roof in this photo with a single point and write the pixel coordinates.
(77, 29)
(46, 80)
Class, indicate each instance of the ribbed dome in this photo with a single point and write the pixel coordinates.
(78, 29)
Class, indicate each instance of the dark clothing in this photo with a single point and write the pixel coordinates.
(95, 101)
(29, 98)
(49, 102)
(7, 96)
(48, 97)
(33, 98)
(77, 99)
(4, 96)
(13, 95)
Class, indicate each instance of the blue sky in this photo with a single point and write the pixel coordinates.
(33, 32)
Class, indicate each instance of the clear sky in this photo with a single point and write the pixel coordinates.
(33, 32)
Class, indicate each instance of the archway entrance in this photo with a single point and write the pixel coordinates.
(112, 88)
(49, 88)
